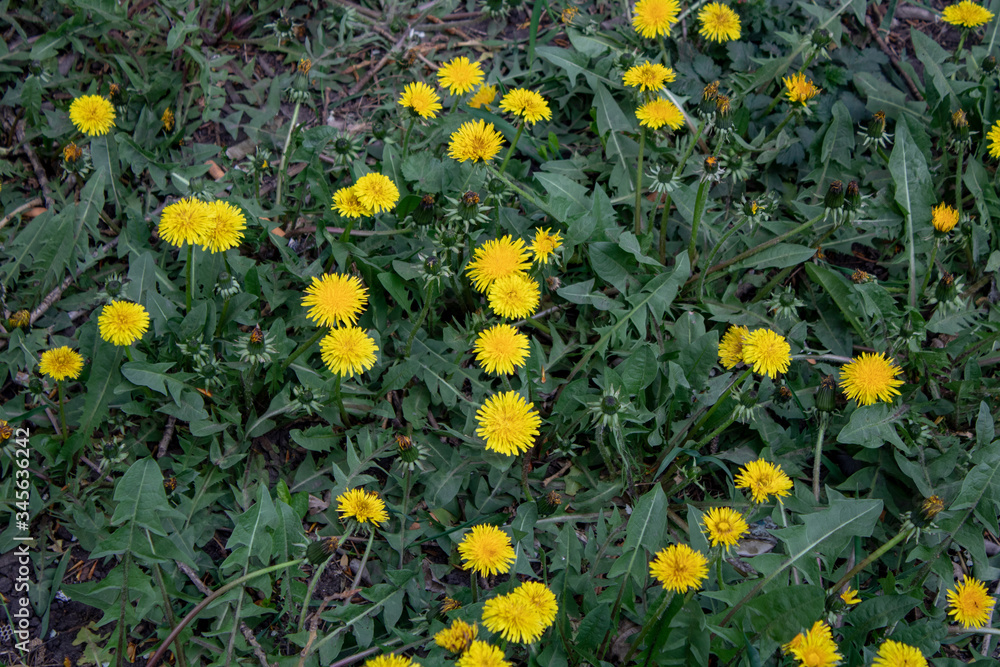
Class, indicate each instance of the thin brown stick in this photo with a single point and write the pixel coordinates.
(168, 434)
(892, 58)
(43, 181)
(20, 209)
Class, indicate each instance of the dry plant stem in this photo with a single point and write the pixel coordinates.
(284, 153)
(513, 145)
(824, 420)
(309, 593)
(158, 655)
(302, 348)
(903, 534)
(638, 183)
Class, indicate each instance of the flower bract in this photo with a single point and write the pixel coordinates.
(508, 423)
(870, 378)
(486, 550)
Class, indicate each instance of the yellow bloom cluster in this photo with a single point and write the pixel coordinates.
(370, 194)
(767, 352)
(216, 226)
(522, 615)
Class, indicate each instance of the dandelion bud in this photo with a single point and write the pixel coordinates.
(170, 484)
(35, 68)
(496, 186)
(610, 404)
(423, 214)
(708, 97)
(960, 123)
(72, 152)
(379, 128)
(711, 166)
(860, 277)
(944, 218)
(826, 395)
(834, 196)
(748, 399)
(227, 286)
(117, 95)
(783, 395)
(876, 128)
(20, 320)
(6, 431)
(550, 503)
(931, 507)
(750, 208)
(168, 120)
(723, 113)
(852, 200)
(945, 290)
(450, 604)
(990, 64)
(821, 38)
(319, 551)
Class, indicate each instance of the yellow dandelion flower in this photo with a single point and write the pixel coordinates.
(60, 363)
(944, 218)
(966, 14)
(769, 353)
(390, 660)
(92, 114)
(658, 113)
(376, 192)
(483, 97)
(545, 244)
(679, 567)
(457, 637)
(725, 526)
(649, 76)
(225, 227)
(450, 604)
(421, 98)
(482, 654)
(539, 599)
(970, 604)
(508, 423)
(994, 136)
(850, 596)
(362, 506)
(486, 550)
(347, 204)
(122, 322)
(817, 648)
(652, 18)
(514, 297)
(870, 378)
(799, 89)
(764, 479)
(507, 615)
(527, 104)
(719, 23)
(497, 259)
(796, 641)
(335, 299)
(501, 349)
(932, 506)
(185, 221)
(459, 75)
(167, 119)
(731, 347)
(897, 654)
(348, 351)
(475, 140)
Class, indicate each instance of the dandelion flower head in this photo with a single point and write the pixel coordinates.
(483, 97)
(527, 104)
(994, 136)
(348, 351)
(122, 322)
(725, 526)
(347, 204)
(652, 18)
(537, 597)
(507, 615)
(850, 596)
(421, 98)
(545, 245)
(460, 76)
(817, 648)
(483, 654)
(515, 296)
(362, 506)
(897, 654)
(457, 637)
(658, 113)
(376, 192)
(225, 226)
(944, 218)
(508, 423)
(870, 378)
(719, 23)
(335, 299)
(970, 604)
(800, 90)
(487, 550)
(966, 14)
(679, 567)
(497, 259)
(731, 347)
(501, 349)
(475, 140)
(764, 479)
(768, 352)
(649, 76)
(185, 221)
(92, 114)
(60, 363)
(390, 660)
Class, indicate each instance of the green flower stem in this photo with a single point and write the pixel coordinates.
(523, 193)
(222, 317)
(638, 183)
(158, 655)
(168, 609)
(699, 209)
(302, 348)
(62, 412)
(930, 265)
(784, 524)
(781, 125)
(406, 137)
(655, 623)
(725, 237)
(346, 236)
(309, 593)
(722, 399)
(364, 560)
(190, 278)
(904, 533)
(513, 145)
(420, 321)
(763, 246)
(708, 438)
(284, 153)
(824, 420)
(525, 464)
(663, 230)
(474, 585)
(690, 149)
(402, 523)
(958, 51)
(339, 397)
(882, 154)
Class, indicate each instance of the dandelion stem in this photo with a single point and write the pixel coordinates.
(777, 129)
(339, 397)
(690, 149)
(345, 237)
(699, 210)
(190, 278)
(720, 401)
(403, 520)
(668, 598)
(882, 154)
(62, 412)
(638, 184)
(784, 524)
(309, 593)
(958, 51)
(510, 151)
(222, 317)
(663, 230)
(930, 267)
(406, 137)
(904, 533)
(824, 419)
(474, 585)
(732, 230)
(364, 560)
(284, 154)
(302, 348)
(525, 466)
(420, 321)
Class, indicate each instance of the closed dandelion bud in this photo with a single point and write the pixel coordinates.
(821, 38)
(723, 113)
(227, 286)
(20, 320)
(990, 64)
(170, 484)
(750, 208)
(113, 287)
(432, 266)
(826, 395)
(35, 69)
(319, 551)
(960, 123)
(496, 186)
(118, 95)
(380, 128)
(946, 288)
(548, 504)
(860, 277)
(468, 207)
(852, 199)
(834, 196)
(711, 167)
(748, 399)
(610, 404)
(450, 604)
(875, 133)
(708, 97)
(931, 507)
(168, 120)
(783, 395)
(423, 214)
(72, 153)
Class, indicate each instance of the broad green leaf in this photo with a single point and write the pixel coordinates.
(914, 194)
(871, 426)
(838, 289)
(610, 121)
(985, 431)
(781, 614)
(779, 256)
(643, 534)
(838, 143)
